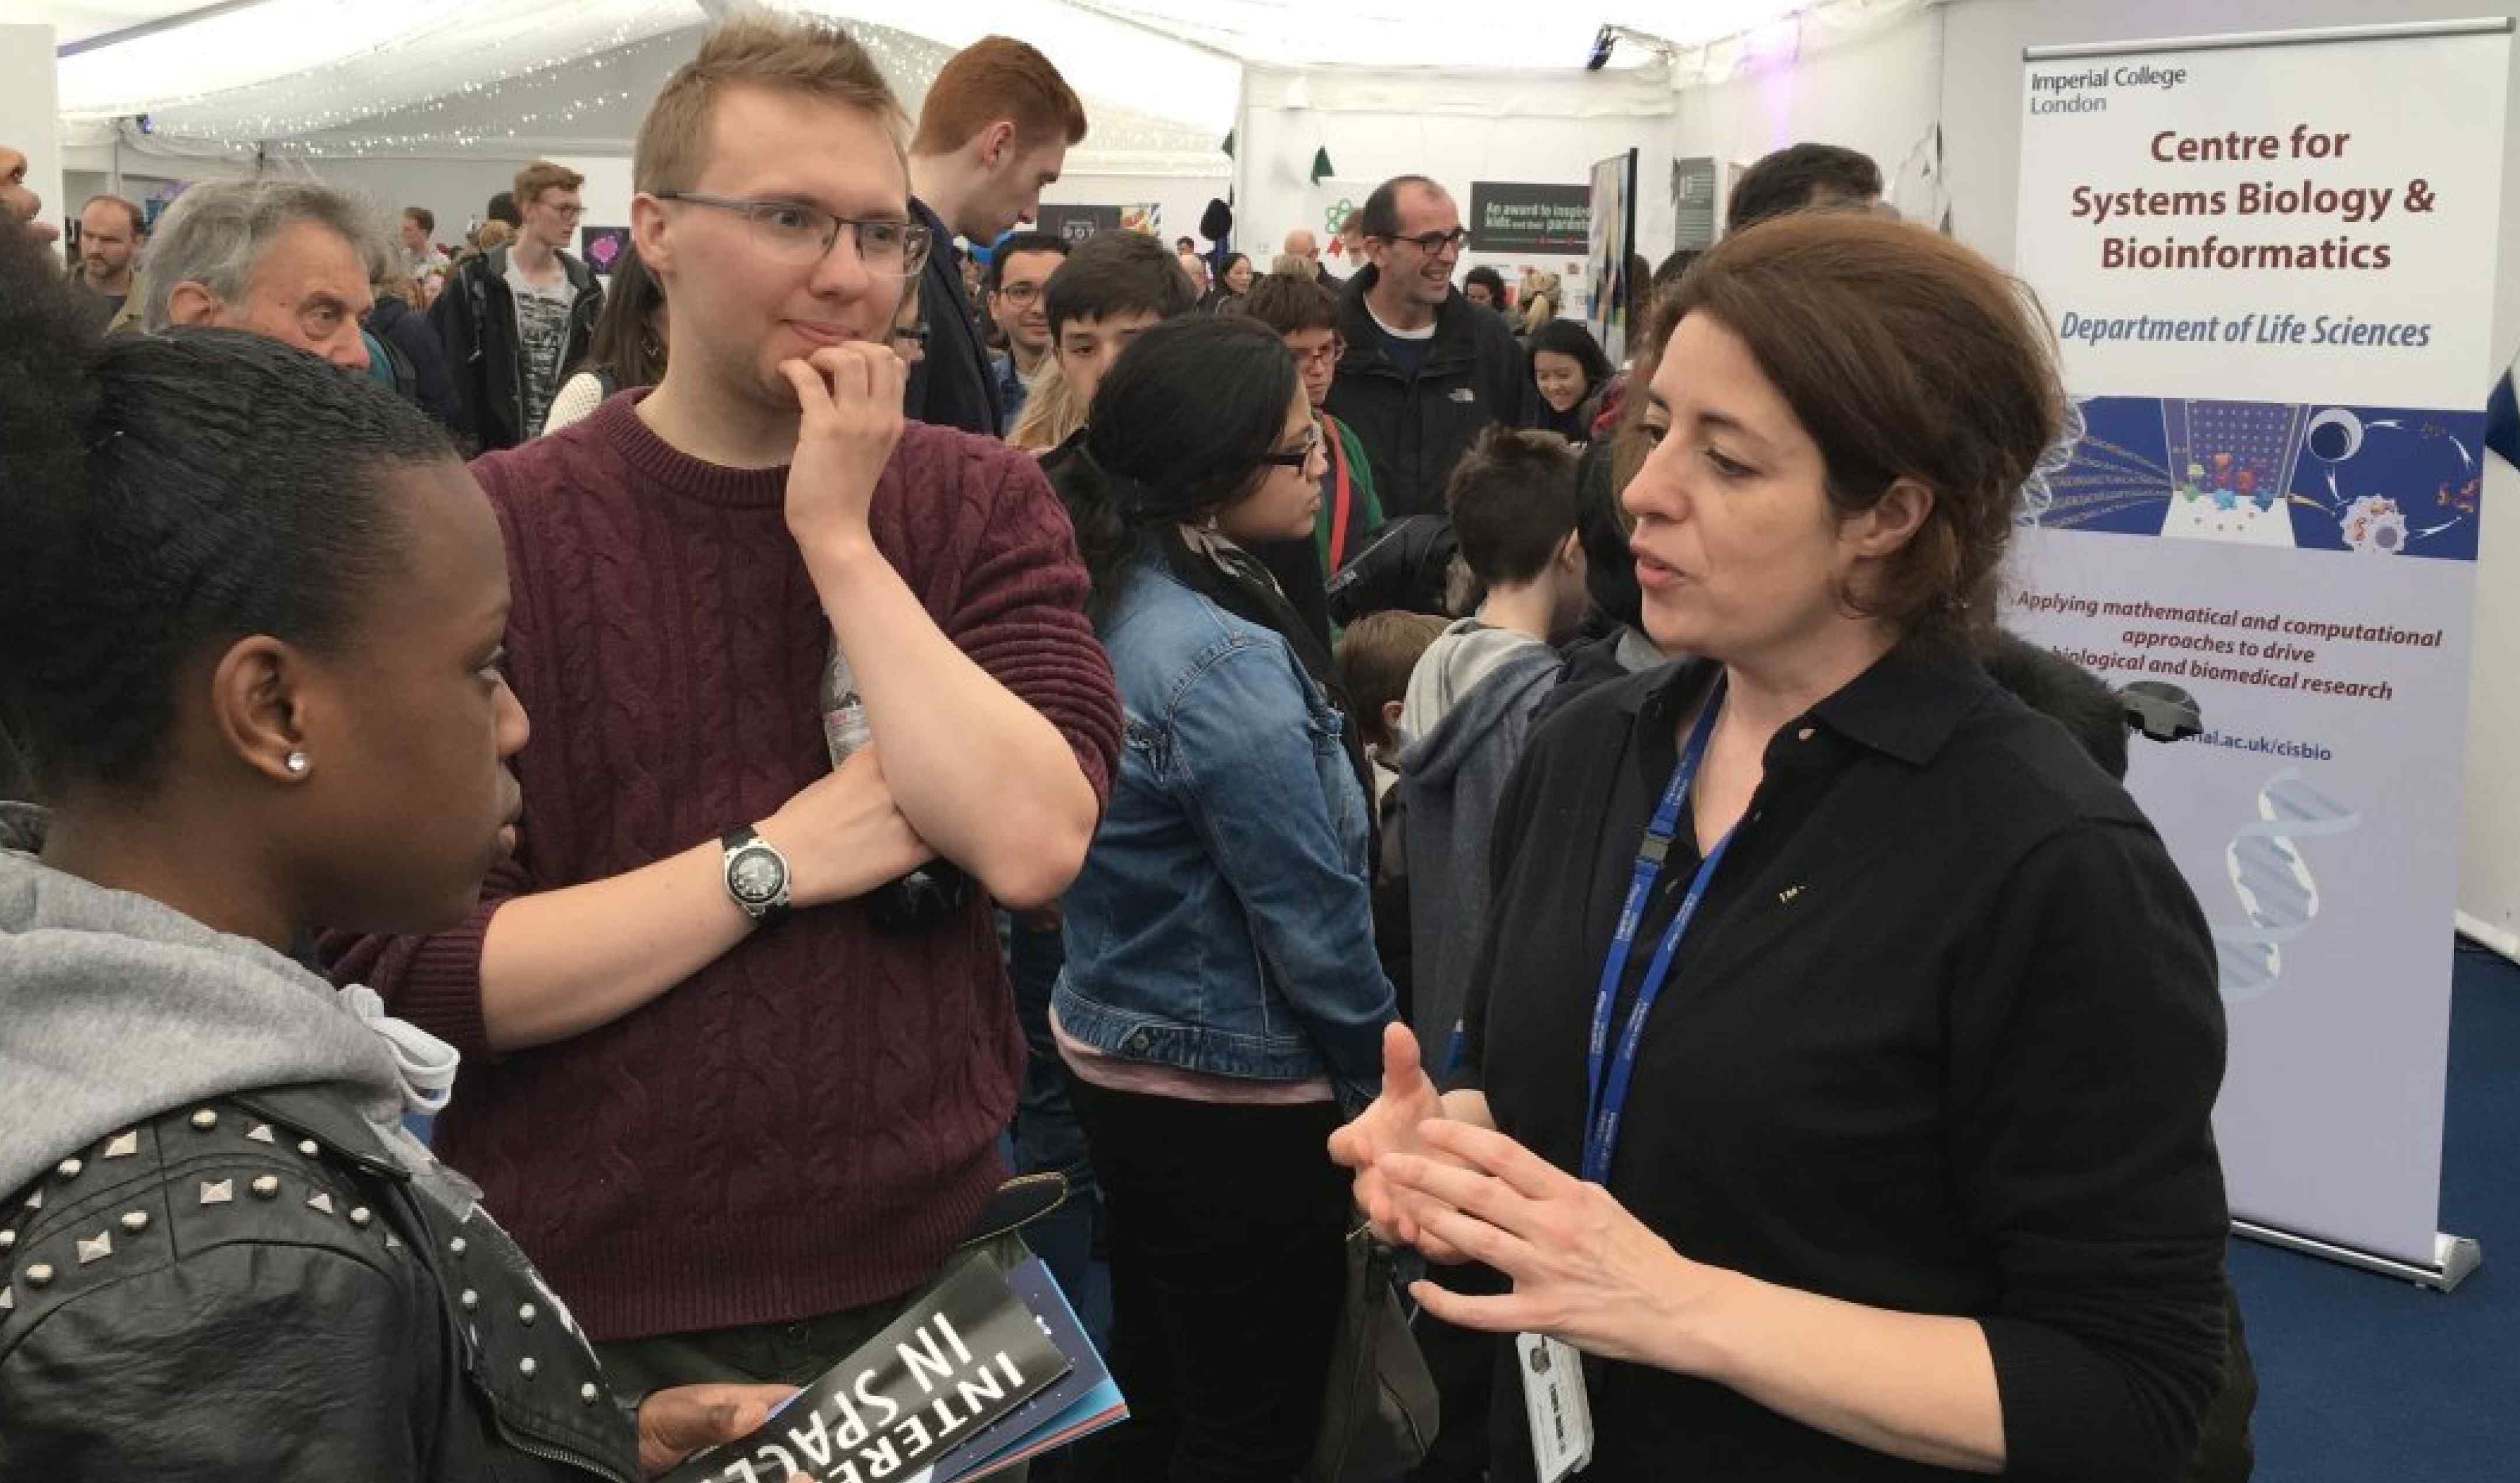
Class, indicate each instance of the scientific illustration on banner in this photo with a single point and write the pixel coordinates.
(2376, 480)
(2274, 882)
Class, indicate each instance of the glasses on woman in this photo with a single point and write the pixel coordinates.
(802, 234)
(1301, 453)
(1320, 355)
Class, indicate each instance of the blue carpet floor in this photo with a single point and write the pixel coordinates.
(2365, 1379)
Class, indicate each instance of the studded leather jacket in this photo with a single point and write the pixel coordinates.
(254, 1288)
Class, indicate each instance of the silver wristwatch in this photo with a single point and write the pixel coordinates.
(756, 875)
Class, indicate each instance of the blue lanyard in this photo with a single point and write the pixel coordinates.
(1607, 1095)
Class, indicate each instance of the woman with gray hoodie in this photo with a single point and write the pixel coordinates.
(250, 641)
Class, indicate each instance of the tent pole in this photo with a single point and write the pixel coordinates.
(150, 28)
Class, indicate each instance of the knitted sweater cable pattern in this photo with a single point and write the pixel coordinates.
(809, 1123)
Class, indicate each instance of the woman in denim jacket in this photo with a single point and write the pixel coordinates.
(1221, 999)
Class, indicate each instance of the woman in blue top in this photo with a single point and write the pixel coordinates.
(1221, 999)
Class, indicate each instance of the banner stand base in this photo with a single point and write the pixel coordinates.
(2453, 1256)
(2488, 936)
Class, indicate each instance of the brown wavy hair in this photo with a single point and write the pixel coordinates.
(624, 345)
(1904, 355)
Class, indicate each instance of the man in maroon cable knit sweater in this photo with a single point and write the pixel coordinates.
(735, 1142)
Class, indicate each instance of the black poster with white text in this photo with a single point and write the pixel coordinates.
(964, 1353)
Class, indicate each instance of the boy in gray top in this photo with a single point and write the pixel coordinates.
(1471, 700)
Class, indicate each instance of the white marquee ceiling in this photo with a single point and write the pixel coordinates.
(262, 70)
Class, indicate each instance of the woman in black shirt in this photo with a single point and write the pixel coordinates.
(1908, 1168)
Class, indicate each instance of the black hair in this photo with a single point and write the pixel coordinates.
(623, 347)
(1786, 182)
(503, 207)
(1018, 242)
(1668, 273)
(1176, 433)
(165, 494)
(1569, 337)
(1642, 345)
(1290, 303)
(1117, 273)
(1512, 499)
(1381, 216)
(1609, 567)
(1227, 266)
(1483, 274)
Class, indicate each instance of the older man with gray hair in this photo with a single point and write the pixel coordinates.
(285, 258)
(1302, 243)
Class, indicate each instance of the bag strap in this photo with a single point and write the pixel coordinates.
(1343, 493)
(1017, 1203)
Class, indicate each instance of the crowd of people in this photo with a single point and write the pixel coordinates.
(896, 698)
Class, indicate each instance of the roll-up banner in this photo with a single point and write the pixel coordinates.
(1612, 241)
(2268, 261)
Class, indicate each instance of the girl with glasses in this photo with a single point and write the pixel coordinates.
(1222, 1001)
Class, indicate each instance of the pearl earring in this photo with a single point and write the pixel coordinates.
(296, 764)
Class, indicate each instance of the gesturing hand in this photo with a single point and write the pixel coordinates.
(1391, 1124)
(1584, 1269)
(674, 1423)
(849, 397)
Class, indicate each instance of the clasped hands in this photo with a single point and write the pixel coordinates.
(1584, 1269)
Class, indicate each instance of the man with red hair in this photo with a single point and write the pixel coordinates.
(994, 130)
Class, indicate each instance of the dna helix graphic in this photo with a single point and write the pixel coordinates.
(2272, 881)
(2038, 493)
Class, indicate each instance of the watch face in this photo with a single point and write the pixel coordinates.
(756, 877)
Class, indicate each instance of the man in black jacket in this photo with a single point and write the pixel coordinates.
(994, 129)
(513, 320)
(1425, 370)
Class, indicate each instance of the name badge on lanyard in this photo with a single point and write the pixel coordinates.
(1553, 1396)
(1608, 1074)
(1553, 1372)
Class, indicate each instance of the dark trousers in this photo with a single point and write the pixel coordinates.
(2226, 1449)
(1046, 1137)
(1465, 1364)
(1225, 1228)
